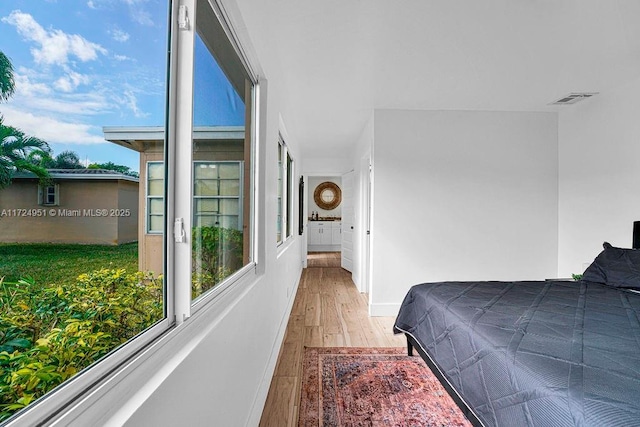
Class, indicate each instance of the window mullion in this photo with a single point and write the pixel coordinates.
(183, 184)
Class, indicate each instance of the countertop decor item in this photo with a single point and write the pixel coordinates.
(327, 195)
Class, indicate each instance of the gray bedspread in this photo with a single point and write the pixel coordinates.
(533, 353)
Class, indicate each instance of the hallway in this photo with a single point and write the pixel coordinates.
(328, 312)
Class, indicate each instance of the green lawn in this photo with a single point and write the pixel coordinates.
(50, 263)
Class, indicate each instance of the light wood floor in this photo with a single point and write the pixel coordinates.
(328, 311)
(323, 259)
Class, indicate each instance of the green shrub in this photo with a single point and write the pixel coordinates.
(217, 253)
(50, 332)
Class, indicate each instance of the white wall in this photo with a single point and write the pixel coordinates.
(599, 175)
(462, 196)
(328, 166)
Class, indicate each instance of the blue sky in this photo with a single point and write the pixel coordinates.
(82, 65)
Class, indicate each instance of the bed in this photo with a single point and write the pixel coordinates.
(550, 353)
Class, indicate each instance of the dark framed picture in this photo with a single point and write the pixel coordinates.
(301, 206)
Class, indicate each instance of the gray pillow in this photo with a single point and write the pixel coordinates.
(615, 267)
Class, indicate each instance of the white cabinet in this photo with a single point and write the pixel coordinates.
(314, 236)
(324, 236)
(336, 233)
(319, 233)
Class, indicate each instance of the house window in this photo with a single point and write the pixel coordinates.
(155, 197)
(284, 226)
(280, 216)
(49, 195)
(290, 192)
(217, 194)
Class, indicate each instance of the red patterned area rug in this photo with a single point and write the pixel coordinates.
(352, 386)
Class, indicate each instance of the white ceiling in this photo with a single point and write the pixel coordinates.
(343, 58)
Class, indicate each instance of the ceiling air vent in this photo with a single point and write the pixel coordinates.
(573, 97)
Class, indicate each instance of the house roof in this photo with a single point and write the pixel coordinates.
(85, 174)
(138, 137)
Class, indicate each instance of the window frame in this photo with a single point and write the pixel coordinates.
(285, 193)
(290, 194)
(280, 197)
(43, 192)
(184, 306)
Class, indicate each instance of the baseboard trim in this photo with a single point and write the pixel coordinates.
(384, 310)
(261, 396)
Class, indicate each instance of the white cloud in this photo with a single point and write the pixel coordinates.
(71, 81)
(118, 35)
(121, 58)
(134, 2)
(51, 129)
(141, 17)
(57, 94)
(83, 105)
(34, 92)
(137, 12)
(55, 46)
(130, 101)
(26, 88)
(64, 84)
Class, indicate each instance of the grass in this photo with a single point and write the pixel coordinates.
(50, 263)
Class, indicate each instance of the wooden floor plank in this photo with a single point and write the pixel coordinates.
(313, 336)
(329, 315)
(328, 311)
(313, 310)
(282, 394)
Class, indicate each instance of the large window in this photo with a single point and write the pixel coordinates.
(67, 305)
(284, 226)
(182, 169)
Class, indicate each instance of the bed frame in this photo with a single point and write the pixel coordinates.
(471, 416)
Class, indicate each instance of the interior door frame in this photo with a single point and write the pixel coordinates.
(365, 223)
(352, 197)
(307, 194)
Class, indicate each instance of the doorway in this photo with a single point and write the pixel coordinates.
(324, 218)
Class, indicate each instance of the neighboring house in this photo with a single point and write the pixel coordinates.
(212, 147)
(89, 206)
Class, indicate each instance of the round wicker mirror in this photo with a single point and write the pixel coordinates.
(327, 196)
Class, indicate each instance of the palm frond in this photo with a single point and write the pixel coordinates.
(7, 82)
(15, 151)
